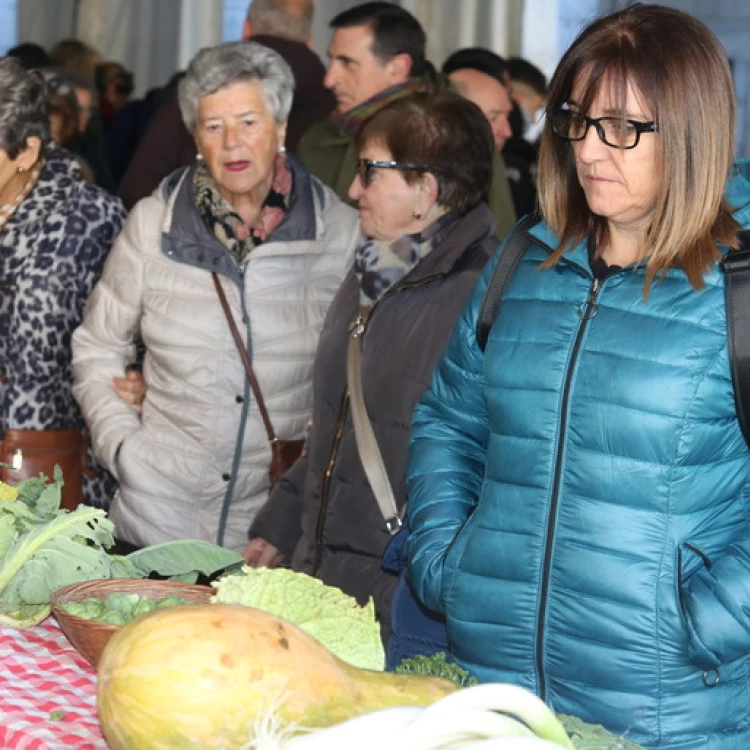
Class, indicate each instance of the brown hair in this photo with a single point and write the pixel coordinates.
(445, 132)
(680, 70)
(68, 112)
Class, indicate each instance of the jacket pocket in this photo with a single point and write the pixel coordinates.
(690, 560)
(452, 562)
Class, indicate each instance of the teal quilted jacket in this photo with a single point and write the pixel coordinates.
(579, 497)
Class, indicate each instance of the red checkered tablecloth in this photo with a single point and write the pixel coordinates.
(47, 692)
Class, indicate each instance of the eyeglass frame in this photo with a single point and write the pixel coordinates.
(640, 127)
(363, 165)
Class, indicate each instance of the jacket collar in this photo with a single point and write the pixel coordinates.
(470, 230)
(186, 239)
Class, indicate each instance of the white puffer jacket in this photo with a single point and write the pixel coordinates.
(195, 463)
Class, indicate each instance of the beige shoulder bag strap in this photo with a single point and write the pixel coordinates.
(367, 444)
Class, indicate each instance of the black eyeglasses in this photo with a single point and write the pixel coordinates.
(366, 168)
(614, 131)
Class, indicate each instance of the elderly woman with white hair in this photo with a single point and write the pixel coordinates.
(245, 222)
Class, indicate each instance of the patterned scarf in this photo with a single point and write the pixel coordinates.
(379, 265)
(350, 122)
(227, 225)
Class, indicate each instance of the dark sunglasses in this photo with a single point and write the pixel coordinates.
(366, 168)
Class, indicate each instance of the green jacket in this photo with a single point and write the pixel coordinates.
(331, 156)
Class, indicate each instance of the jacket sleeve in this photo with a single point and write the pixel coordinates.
(500, 199)
(280, 519)
(105, 342)
(447, 453)
(716, 602)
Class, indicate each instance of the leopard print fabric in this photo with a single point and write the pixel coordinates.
(51, 255)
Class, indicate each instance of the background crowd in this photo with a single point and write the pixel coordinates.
(270, 264)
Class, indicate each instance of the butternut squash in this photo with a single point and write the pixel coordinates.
(216, 675)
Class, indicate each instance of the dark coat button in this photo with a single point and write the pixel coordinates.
(226, 476)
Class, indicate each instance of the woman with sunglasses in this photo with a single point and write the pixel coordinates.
(423, 175)
(579, 487)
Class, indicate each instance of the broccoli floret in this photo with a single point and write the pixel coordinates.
(437, 665)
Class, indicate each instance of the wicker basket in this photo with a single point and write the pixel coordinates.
(89, 637)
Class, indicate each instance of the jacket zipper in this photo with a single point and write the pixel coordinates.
(240, 439)
(340, 422)
(586, 312)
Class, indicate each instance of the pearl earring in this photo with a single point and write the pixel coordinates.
(282, 149)
(199, 157)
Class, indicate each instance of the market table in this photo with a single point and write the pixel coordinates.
(47, 692)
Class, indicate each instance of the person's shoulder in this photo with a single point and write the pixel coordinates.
(326, 200)
(97, 196)
(78, 194)
(320, 133)
(153, 208)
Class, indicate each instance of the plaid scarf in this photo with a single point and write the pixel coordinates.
(379, 265)
(227, 225)
(350, 122)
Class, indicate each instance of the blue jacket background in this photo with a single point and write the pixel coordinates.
(579, 497)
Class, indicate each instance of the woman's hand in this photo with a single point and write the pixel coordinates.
(262, 554)
(131, 389)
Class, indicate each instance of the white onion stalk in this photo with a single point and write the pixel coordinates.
(512, 743)
(487, 717)
(457, 727)
(506, 699)
(366, 732)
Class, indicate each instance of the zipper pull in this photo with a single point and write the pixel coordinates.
(588, 309)
(358, 325)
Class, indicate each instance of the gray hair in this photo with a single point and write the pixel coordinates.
(288, 19)
(216, 68)
(24, 112)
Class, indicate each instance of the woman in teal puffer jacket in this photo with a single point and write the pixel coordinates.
(579, 491)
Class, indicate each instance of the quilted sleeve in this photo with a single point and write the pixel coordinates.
(447, 452)
(105, 341)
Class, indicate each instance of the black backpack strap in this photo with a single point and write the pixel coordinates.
(515, 246)
(736, 267)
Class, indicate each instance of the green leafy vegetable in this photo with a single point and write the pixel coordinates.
(184, 559)
(44, 548)
(326, 613)
(594, 736)
(437, 665)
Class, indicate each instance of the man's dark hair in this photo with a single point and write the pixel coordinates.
(525, 72)
(478, 58)
(395, 31)
(30, 55)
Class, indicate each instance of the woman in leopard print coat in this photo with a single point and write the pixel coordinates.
(55, 232)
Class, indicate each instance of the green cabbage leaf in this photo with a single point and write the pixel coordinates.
(335, 619)
(44, 548)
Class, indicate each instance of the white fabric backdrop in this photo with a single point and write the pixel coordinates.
(154, 38)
